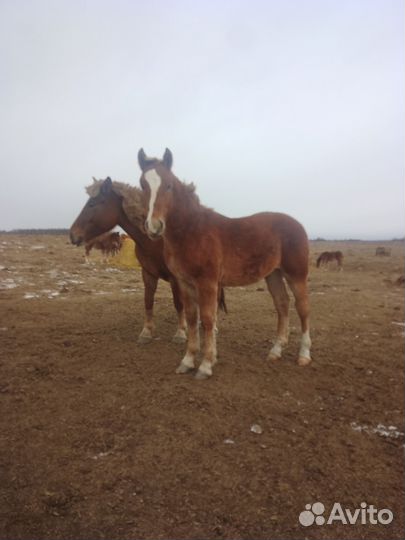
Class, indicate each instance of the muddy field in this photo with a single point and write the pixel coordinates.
(101, 439)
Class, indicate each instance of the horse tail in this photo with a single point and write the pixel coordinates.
(318, 261)
(221, 300)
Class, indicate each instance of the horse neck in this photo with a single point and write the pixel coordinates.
(185, 212)
(132, 229)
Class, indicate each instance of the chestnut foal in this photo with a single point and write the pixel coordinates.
(206, 250)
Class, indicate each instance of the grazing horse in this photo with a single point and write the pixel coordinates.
(328, 256)
(383, 252)
(205, 250)
(114, 203)
(109, 244)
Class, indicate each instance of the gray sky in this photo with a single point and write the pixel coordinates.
(283, 105)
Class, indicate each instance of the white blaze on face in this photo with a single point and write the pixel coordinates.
(154, 182)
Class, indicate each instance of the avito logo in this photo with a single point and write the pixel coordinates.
(365, 515)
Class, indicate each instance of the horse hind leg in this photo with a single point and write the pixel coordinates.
(180, 336)
(150, 284)
(300, 290)
(208, 302)
(278, 291)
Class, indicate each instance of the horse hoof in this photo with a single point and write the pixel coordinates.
(273, 357)
(184, 369)
(303, 361)
(179, 339)
(201, 376)
(143, 340)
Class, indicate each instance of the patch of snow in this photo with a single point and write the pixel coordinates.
(101, 455)
(256, 428)
(391, 432)
(8, 283)
(229, 441)
(28, 295)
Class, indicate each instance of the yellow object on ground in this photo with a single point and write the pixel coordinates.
(126, 258)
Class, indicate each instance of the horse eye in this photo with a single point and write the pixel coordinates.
(169, 187)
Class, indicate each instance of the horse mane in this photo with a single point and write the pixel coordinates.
(131, 198)
(190, 191)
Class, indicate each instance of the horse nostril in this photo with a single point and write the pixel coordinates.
(76, 240)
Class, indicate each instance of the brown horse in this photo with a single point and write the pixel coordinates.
(115, 203)
(108, 243)
(204, 250)
(329, 256)
(383, 252)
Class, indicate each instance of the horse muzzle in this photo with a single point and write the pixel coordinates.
(154, 228)
(75, 239)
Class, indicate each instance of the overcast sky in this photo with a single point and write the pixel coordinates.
(282, 105)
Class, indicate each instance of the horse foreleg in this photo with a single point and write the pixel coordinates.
(150, 284)
(180, 336)
(208, 302)
(189, 297)
(300, 291)
(278, 291)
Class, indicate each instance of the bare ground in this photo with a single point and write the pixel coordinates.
(101, 439)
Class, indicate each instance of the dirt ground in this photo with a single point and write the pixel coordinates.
(99, 438)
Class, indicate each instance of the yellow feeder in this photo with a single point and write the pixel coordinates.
(126, 258)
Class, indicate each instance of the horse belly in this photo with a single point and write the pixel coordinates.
(241, 271)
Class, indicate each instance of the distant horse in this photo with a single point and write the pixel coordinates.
(329, 256)
(382, 252)
(115, 203)
(109, 244)
(205, 250)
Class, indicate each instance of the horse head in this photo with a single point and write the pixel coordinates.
(99, 215)
(157, 183)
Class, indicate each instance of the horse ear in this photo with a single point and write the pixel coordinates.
(94, 179)
(168, 159)
(106, 186)
(142, 159)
